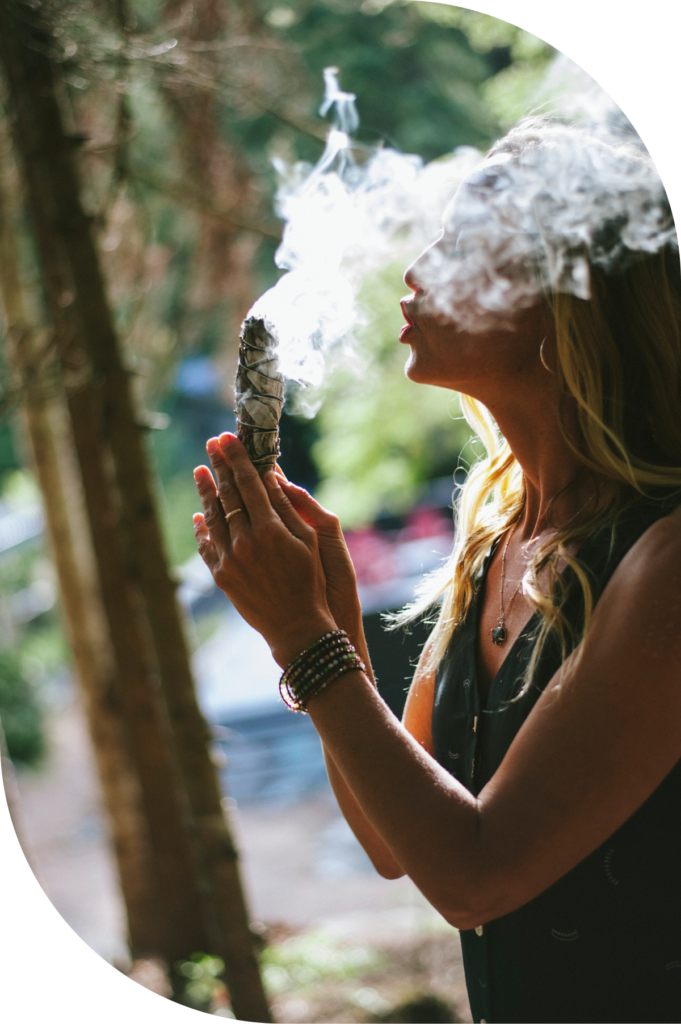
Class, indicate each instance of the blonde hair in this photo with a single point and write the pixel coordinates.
(619, 363)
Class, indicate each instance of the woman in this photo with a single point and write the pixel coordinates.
(533, 790)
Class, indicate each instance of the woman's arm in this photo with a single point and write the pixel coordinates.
(374, 846)
(341, 592)
(416, 721)
(600, 739)
(417, 718)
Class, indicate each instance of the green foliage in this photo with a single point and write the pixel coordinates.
(382, 437)
(8, 454)
(40, 648)
(43, 649)
(20, 713)
(307, 959)
(19, 488)
(199, 982)
(417, 82)
(428, 77)
(511, 92)
(420, 1009)
(179, 501)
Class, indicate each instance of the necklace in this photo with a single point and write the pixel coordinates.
(499, 632)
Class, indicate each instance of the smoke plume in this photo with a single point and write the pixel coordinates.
(554, 197)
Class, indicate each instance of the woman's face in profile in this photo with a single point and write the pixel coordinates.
(442, 353)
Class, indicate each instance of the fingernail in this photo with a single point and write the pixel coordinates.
(197, 474)
(196, 518)
(212, 445)
(226, 438)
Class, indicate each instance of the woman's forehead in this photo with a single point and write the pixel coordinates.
(467, 205)
(472, 197)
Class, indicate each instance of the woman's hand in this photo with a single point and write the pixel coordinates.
(266, 557)
(341, 582)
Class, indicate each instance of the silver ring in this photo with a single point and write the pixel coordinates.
(233, 513)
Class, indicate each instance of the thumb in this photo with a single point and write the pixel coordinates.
(282, 505)
(310, 510)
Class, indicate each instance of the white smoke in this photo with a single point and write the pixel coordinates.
(551, 198)
(550, 201)
(354, 212)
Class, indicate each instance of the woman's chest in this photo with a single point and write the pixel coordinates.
(472, 729)
(500, 614)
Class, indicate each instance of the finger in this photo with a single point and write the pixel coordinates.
(283, 507)
(280, 472)
(228, 492)
(204, 542)
(309, 509)
(214, 516)
(245, 477)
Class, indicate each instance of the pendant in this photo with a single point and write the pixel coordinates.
(499, 635)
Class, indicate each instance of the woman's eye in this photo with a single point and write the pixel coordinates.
(452, 248)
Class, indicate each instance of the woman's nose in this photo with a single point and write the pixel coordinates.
(411, 278)
(415, 276)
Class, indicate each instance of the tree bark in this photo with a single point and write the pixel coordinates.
(66, 243)
(224, 253)
(182, 929)
(80, 601)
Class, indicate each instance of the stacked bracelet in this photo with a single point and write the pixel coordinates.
(319, 664)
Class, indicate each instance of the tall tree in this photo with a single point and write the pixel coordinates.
(102, 409)
(29, 356)
(224, 253)
(181, 927)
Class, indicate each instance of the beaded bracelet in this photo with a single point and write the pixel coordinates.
(300, 673)
(322, 662)
(319, 664)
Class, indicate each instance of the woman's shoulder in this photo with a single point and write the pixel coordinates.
(661, 538)
(650, 571)
(639, 527)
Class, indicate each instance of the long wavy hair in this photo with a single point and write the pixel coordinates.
(618, 360)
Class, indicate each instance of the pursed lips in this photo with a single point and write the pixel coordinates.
(408, 311)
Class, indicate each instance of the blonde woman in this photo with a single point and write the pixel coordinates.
(533, 790)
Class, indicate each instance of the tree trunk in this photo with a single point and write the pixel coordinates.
(81, 604)
(222, 263)
(63, 226)
(182, 928)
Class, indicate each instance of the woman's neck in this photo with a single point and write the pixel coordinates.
(557, 485)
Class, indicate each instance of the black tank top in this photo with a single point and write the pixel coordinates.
(604, 942)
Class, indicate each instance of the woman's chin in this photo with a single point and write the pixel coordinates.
(414, 369)
(410, 366)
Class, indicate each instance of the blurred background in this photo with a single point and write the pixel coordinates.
(182, 110)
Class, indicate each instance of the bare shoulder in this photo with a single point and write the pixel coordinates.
(635, 624)
(666, 529)
(656, 556)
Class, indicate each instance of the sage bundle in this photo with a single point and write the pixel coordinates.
(259, 394)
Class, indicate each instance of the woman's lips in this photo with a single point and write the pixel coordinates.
(408, 316)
